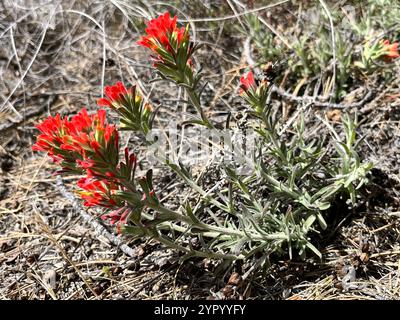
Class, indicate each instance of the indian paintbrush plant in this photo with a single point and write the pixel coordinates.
(272, 209)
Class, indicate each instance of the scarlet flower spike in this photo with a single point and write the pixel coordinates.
(115, 95)
(162, 32)
(96, 192)
(392, 50)
(247, 82)
(255, 93)
(80, 142)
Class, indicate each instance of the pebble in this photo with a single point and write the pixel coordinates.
(134, 266)
(50, 278)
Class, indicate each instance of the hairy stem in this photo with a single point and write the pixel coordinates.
(195, 99)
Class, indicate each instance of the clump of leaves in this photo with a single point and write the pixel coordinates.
(332, 45)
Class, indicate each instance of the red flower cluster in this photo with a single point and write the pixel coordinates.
(254, 92)
(392, 50)
(86, 143)
(134, 113)
(51, 136)
(163, 33)
(79, 142)
(115, 94)
(96, 192)
(247, 82)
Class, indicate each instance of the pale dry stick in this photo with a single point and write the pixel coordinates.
(14, 24)
(173, 193)
(236, 13)
(216, 187)
(97, 227)
(117, 53)
(184, 118)
(139, 10)
(130, 69)
(31, 62)
(398, 278)
(19, 68)
(382, 228)
(385, 253)
(235, 16)
(86, 16)
(247, 54)
(273, 30)
(103, 65)
(76, 292)
(28, 189)
(129, 284)
(161, 295)
(293, 118)
(45, 286)
(18, 235)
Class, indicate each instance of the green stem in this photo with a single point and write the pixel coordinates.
(194, 98)
(169, 243)
(186, 229)
(218, 230)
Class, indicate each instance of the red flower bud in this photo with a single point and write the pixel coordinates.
(115, 95)
(247, 82)
(392, 51)
(162, 32)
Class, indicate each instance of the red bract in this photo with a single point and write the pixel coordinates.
(96, 192)
(119, 217)
(115, 95)
(51, 137)
(392, 51)
(255, 93)
(247, 82)
(81, 141)
(85, 164)
(163, 32)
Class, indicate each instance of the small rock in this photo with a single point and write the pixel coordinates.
(140, 251)
(156, 287)
(7, 163)
(134, 266)
(32, 258)
(115, 271)
(235, 279)
(4, 246)
(98, 290)
(349, 278)
(334, 115)
(50, 278)
(227, 291)
(364, 257)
